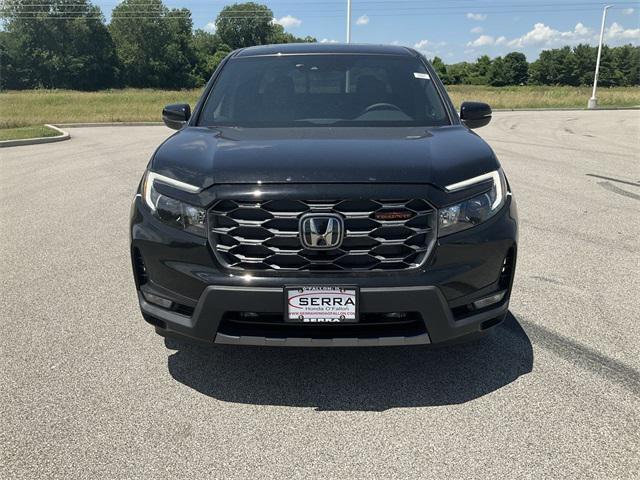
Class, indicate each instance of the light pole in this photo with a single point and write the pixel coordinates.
(348, 21)
(593, 101)
(347, 74)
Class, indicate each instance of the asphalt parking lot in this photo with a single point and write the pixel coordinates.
(87, 390)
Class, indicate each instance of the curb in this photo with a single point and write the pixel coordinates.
(567, 109)
(35, 141)
(110, 124)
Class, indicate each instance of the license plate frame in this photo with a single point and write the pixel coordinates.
(310, 315)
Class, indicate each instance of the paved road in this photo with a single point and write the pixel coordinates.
(88, 391)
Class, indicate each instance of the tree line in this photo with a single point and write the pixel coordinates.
(67, 44)
(619, 66)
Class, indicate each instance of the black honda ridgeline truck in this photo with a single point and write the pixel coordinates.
(324, 195)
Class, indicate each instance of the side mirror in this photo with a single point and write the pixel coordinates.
(176, 115)
(475, 114)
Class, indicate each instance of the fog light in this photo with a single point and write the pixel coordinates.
(156, 300)
(486, 301)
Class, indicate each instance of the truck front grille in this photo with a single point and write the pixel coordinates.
(379, 235)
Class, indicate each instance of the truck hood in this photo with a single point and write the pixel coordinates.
(204, 156)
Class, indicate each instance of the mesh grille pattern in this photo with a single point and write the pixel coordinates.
(379, 234)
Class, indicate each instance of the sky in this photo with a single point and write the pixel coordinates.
(455, 30)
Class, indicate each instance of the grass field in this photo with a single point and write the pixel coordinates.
(27, 132)
(544, 96)
(35, 107)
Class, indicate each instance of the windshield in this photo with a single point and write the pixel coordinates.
(330, 90)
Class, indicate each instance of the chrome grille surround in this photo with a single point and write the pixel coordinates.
(249, 235)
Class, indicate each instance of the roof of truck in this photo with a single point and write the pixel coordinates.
(323, 48)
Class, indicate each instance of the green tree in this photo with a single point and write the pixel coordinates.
(499, 74)
(513, 69)
(441, 69)
(483, 64)
(206, 47)
(607, 74)
(247, 24)
(584, 63)
(180, 52)
(555, 67)
(244, 25)
(459, 73)
(9, 78)
(153, 44)
(209, 53)
(55, 44)
(517, 68)
(626, 65)
(218, 57)
(236, 26)
(278, 35)
(478, 72)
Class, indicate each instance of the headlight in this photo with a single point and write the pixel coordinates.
(173, 212)
(476, 210)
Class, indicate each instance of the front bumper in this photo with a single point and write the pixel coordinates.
(207, 301)
(428, 302)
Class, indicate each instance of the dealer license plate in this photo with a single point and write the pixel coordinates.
(321, 304)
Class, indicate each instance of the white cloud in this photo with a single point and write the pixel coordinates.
(362, 20)
(422, 44)
(476, 30)
(618, 32)
(478, 17)
(429, 48)
(326, 40)
(487, 41)
(288, 21)
(395, 42)
(482, 41)
(544, 35)
(210, 27)
(628, 11)
(428, 43)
